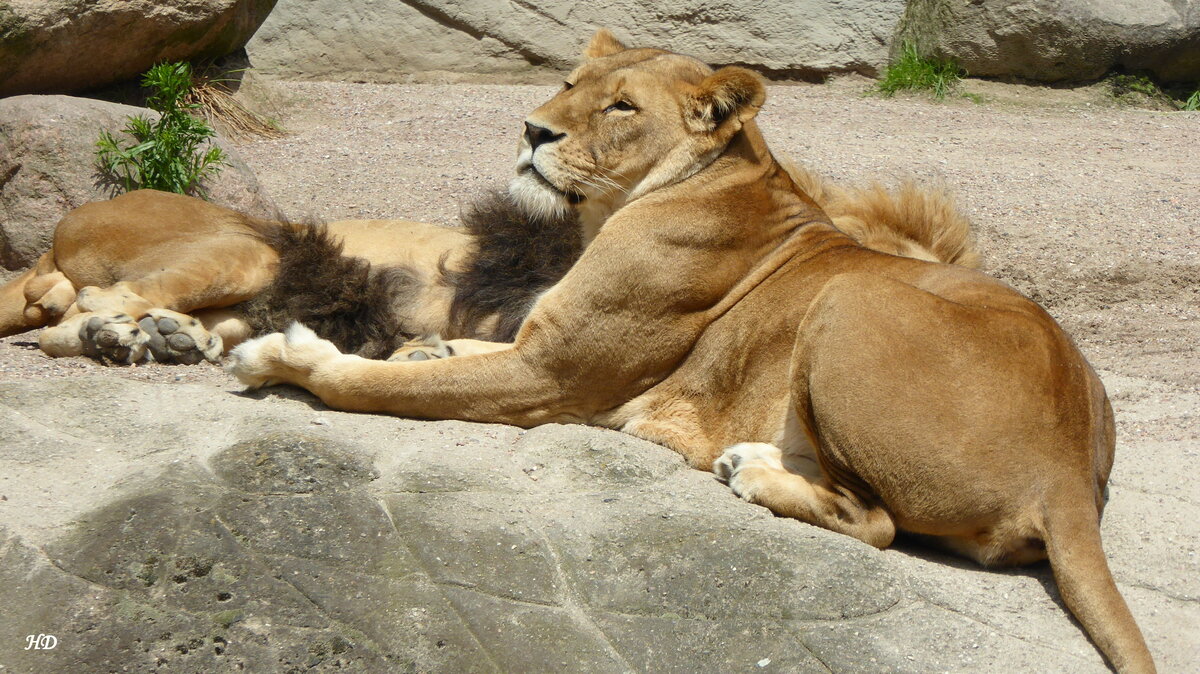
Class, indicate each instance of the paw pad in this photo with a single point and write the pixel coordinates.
(169, 343)
(115, 337)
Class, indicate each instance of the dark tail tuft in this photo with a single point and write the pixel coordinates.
(343, 299)
(517, 257)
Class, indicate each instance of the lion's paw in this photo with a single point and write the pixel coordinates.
(742, 463)
(162, 335)
(276, 358)
(113, 337)
(432, 347)
(173, 337)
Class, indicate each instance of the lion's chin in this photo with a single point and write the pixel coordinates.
(533, 194)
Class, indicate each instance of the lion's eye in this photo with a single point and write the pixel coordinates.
(567, 85)
(623, 106)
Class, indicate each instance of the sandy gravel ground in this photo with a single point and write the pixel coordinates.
(1092, 209)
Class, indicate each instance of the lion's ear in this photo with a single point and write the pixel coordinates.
(730, 92)
(603, 44)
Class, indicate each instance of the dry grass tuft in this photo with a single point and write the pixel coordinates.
(220, 107)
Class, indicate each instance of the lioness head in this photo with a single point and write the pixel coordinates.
(627, 122)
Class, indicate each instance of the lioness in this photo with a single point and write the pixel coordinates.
(719, 312)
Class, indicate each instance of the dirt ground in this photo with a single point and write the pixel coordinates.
(1091, 208)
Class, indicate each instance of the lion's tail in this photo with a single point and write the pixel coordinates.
(1072, 536)
(913, 221)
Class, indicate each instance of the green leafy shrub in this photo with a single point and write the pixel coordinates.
(1124, 85)
(1193, 102)
(911, 71)
(1140, 90)
(168, 153)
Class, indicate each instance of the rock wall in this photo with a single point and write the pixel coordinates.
(535, 40)
(65, 46)
(1060, 40)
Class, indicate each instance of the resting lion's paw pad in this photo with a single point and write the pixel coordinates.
(113, 337)
(173, 337)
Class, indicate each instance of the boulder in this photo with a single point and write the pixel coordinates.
(1060, 40)
(63, 46)
(187, 527)
(48, 166)
(424, 39)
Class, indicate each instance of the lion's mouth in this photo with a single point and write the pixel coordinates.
(574, 198)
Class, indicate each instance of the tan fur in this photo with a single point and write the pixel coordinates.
(150, 250)
(913, 220)
(718, 308)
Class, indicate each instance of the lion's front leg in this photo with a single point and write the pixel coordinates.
(500, 386)
(282, 358)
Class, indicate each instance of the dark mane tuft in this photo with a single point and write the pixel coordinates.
(517, 256)
(343, 299)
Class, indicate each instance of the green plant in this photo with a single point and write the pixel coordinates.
(1124, 85)
(911, 71)
(1193, 102)
(167, 153)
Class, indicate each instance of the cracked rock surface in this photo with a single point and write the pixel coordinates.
(194, 528)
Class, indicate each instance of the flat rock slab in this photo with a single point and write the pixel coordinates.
(191, 527)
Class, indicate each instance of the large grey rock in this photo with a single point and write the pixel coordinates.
(1056, 40)
(189, 528)
(48, 167)
(399, 41)
(64, 46)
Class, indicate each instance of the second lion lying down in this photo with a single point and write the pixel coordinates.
(719, 312)
(157, 276)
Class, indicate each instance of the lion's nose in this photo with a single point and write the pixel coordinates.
(536, 135)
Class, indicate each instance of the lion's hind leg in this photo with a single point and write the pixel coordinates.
(755, 472)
